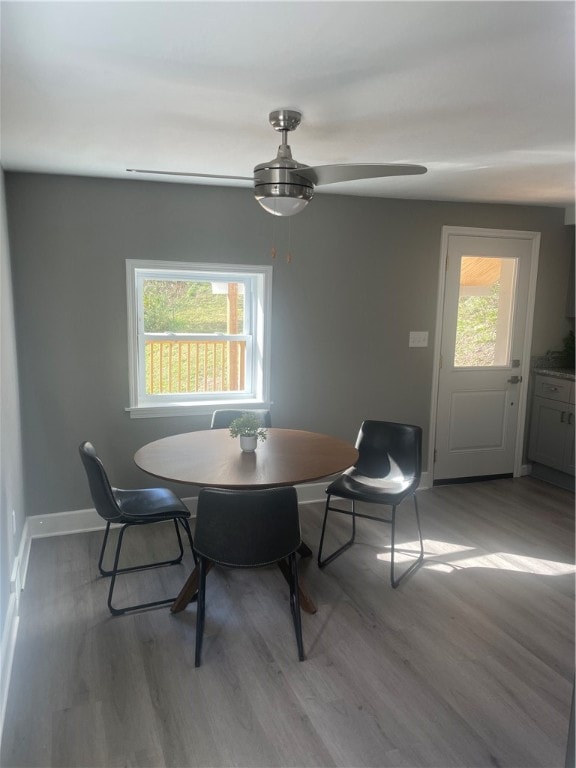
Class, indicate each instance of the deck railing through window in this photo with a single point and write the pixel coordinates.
(195, 366)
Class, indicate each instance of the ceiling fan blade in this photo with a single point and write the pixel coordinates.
(180, 173)
(331, 174)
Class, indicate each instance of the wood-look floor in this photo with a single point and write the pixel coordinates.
(469, 663)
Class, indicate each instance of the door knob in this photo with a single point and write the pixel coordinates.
(515, 379)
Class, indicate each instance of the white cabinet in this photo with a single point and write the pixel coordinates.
(552, 425)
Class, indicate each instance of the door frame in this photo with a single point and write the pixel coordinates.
(524, 371)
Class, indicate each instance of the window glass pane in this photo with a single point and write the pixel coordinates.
(194, 366)
(193, 306)
(485, 304)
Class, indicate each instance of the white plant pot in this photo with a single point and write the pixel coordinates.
(248, 443)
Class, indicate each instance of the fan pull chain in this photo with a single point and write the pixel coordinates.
(273, 249)
(289, 254)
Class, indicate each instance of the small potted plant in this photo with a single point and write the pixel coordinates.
(249, 429)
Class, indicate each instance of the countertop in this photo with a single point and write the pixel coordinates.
(557, 373)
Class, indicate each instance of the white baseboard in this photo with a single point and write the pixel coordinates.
(10, 630)
(7, 654)
(60, 523)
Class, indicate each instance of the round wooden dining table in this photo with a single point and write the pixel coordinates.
(212, 459)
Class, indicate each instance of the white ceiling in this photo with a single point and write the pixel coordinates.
(482, 93)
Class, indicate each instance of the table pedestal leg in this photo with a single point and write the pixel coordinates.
(189, 590)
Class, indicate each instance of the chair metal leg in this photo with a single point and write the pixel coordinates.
(102, 550)
(116, 570)
(144, 566)
(200, 610)
(295, 605)
(352, 513)
(395, 582)
(180, 547)
(186, 525)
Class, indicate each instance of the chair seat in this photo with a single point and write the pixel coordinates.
(129, 508)
(149, 505)
(388, 490)
(388, 471)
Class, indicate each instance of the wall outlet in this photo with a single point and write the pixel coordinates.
(418, 339)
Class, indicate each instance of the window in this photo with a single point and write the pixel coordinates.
(198, 336)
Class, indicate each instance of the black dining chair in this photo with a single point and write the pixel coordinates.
(387, 472)
(128, 508)
(224, 417)
(247, 529)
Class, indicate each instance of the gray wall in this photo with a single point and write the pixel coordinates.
(10, 437)
(364, 273)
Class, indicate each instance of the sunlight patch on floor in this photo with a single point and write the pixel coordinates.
(409, 549)
(521, 563)
(454, 557)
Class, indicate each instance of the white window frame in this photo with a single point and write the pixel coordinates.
(258, 295)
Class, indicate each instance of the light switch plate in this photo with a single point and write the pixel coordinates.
(418, 339)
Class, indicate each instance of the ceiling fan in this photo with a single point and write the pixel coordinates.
(284, 186)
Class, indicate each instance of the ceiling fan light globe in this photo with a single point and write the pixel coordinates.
(283, 199)
(282, 206)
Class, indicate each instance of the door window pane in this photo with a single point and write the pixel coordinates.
(485, 304)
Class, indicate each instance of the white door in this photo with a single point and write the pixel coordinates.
(484, 361)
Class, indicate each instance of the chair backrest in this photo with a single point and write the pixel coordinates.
(247, 528)
(223, 418)
(100, 488)
(379, 442)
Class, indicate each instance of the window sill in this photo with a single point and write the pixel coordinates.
(204, 408)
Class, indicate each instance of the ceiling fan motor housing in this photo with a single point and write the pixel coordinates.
(281, 182)
(279, 179)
